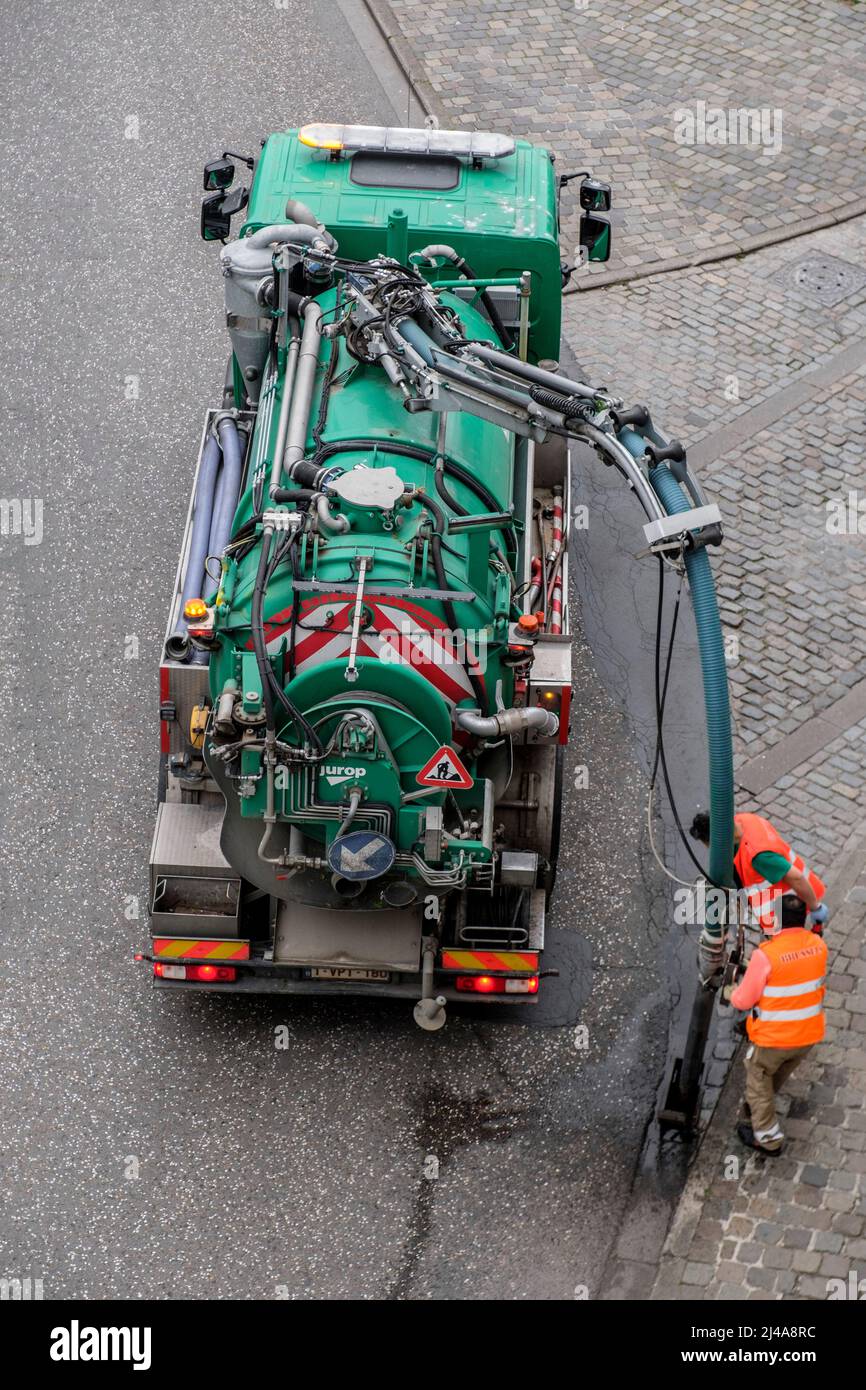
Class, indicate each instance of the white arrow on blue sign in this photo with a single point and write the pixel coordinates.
(362, 854)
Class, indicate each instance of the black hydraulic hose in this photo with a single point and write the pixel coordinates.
(330, 371)
(503, 333)
(294, 494)
(460, 510)
(435, 511)
(439, 481)
(295, 715)
(271, 687)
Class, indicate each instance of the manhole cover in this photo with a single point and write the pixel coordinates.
(823, 278)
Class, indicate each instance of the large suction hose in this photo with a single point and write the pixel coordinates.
(508, 723)
(225, 503)
(292, 233)
(177, 647)
(680, 1106)
(227, 492)
(715, 679)
(302, 395)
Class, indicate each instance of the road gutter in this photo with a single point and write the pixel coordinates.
(411, 68)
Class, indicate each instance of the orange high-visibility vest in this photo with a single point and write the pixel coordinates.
(790, 1012)
(758, 837)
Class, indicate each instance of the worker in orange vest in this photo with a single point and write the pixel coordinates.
(768, 869)
(784, 988)
(784, 983)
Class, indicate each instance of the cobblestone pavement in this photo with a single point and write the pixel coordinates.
(756, 364)
(607, 83)
(705, 347)
(753, 1228)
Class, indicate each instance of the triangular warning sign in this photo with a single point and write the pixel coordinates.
(444, 770)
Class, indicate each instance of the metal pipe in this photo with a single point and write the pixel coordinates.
(535, 583)
(270, 815)
(508, 722)
(625, 462)
(337, 525)
(537, 375)
(429, 1012)
(463, 267)
(302, 215)
(223, 719)
(302, 395)
(354, 803)
(228, 490)
(523, 331)
(285, 403)
(177, 648)
(291, 232)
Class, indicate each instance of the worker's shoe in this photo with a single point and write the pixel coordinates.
(770, 1147)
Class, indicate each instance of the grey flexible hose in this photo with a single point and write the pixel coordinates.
(177, 648)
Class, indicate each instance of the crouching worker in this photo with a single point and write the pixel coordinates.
(784, 988)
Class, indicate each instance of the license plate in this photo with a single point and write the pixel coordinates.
(342, 972)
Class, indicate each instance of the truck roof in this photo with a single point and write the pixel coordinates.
(500, 213)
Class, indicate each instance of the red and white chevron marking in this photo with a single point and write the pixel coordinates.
(403, 634)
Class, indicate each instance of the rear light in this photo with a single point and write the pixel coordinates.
(522, 986)
(480, 984)
(205, 974)
(164, 971)
(495, 984)
(211, 972)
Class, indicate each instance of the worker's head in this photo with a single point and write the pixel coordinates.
(700, 829)
(793, 911)
(781, 910)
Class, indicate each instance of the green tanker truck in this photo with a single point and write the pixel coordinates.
(366, 679)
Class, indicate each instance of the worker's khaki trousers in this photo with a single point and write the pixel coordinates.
(768, 1068)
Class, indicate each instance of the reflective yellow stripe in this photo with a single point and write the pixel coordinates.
(515, 960)
(201, 950)
(489, 960)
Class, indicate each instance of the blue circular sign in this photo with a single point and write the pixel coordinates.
(362, 854)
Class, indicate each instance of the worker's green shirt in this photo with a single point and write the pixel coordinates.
(771, 866)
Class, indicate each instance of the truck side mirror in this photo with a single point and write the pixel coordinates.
(217, 211)
(219, 173)
(595, 237)
(595, 196)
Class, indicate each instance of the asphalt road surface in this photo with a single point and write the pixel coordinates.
(165, 1147)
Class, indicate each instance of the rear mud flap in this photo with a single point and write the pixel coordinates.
(385, 940)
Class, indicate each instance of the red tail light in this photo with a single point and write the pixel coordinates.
(211, 972)
(496, 984)
(205, 974)
(480, 984)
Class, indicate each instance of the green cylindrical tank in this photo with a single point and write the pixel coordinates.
(422, 647)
